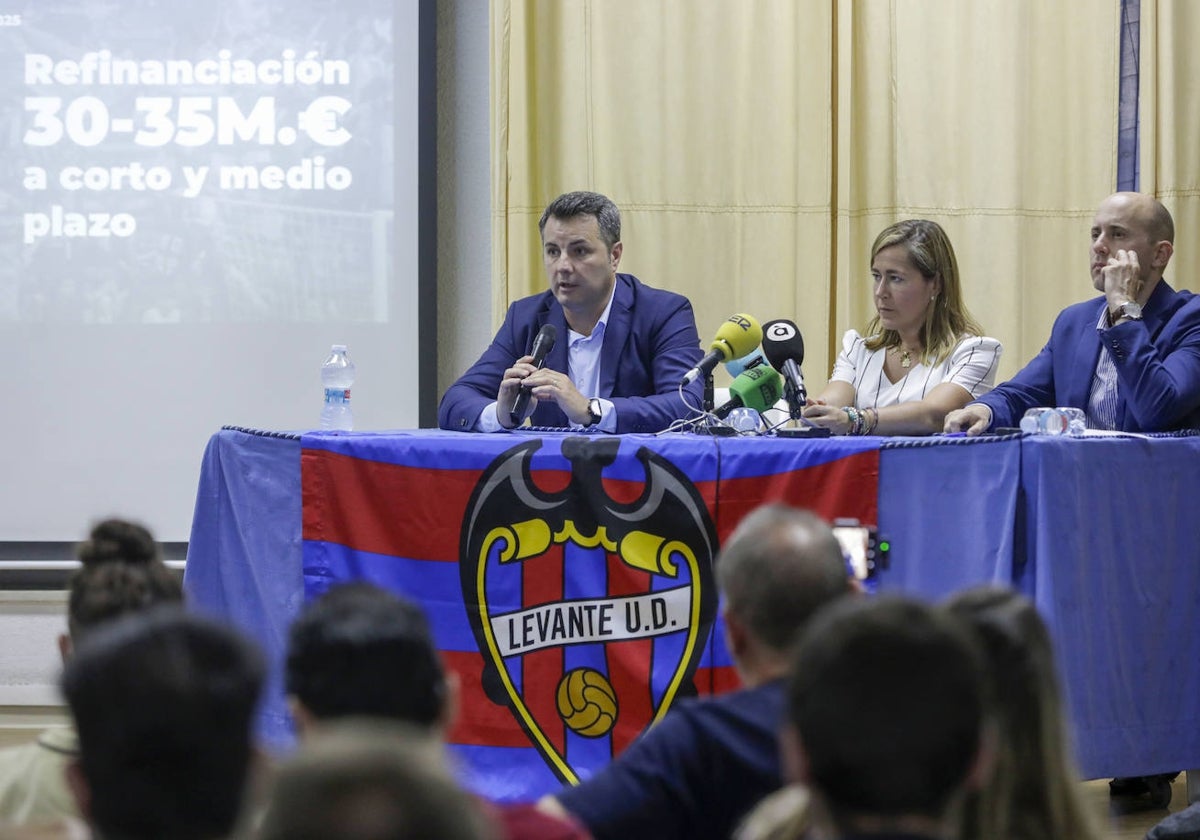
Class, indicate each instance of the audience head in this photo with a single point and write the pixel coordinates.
(886, 713)
(1033, 792)
(121, 571)
(929, 252)
(777, 568)
(369, 780)
(163, 703)
(361, 651)
(574, 204)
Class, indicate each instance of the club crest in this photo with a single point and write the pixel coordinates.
(591, 612)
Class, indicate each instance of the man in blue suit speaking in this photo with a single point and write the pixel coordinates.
(1129, 359)
(620, 348)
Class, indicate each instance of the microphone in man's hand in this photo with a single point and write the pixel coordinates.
(735, 338)
(757, 387)
(542, 345)
(784, 349)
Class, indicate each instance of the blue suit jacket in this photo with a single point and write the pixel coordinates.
(1157, 361)
(650, 342)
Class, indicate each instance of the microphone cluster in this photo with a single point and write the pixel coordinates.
(764, 361)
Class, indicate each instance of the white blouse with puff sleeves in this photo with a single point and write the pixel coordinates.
(971, 365)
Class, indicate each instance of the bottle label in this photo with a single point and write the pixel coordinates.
(337, 396)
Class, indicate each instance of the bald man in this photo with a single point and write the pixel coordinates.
(698, 771)
(1129, 359)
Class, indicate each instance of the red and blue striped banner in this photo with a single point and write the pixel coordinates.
(567, 578)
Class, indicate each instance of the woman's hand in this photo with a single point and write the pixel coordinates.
(837, 420)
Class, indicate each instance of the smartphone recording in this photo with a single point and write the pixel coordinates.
(865, 552)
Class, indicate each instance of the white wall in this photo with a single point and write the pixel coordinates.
(464, 187)
(30, 623)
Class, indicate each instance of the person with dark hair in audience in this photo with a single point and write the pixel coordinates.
(1034, 793)
(621, 348)
(121, 571)
(887, 722)
(697, 772)
(359, 651)
(163, 702)
(370, 779)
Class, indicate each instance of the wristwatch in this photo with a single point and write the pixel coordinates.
(1130, 310)
(593, 412)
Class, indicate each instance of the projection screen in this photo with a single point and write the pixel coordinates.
(198, 199)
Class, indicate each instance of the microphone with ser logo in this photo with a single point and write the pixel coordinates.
(735, 338)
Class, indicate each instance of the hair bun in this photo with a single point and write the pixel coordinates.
(117, 540)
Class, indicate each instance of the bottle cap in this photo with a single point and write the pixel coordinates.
(339, 348)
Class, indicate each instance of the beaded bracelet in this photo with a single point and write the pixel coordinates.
(856, 419)
(862, 422)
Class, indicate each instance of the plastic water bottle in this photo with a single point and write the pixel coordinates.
(337, 375)
(1076, 420)
(1054, 421)
(745, 419)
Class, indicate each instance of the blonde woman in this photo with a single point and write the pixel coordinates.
(923, 355)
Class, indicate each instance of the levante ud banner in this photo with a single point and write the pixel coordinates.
(568, 578)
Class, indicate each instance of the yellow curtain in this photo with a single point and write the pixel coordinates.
(706, 121)
(1169, 125)
(755, 147)
(997, 120)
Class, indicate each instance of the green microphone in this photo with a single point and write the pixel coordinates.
(758, 387)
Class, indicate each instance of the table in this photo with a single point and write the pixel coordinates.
(1110, 553)
(1096, 531)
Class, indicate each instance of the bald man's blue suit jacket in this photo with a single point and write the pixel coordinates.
(1157, 361)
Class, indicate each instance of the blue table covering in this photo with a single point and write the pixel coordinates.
(244, 554)
(1113, 562)
(948, 506)
(280, 518)
(1100, 533)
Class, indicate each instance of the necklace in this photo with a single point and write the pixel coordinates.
(905, 357)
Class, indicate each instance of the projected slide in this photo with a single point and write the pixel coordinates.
(197, 199)
(210, 161)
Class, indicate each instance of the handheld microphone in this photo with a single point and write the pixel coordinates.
(756, 387)
(784, 349)
(542, 345)
(735, 338)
